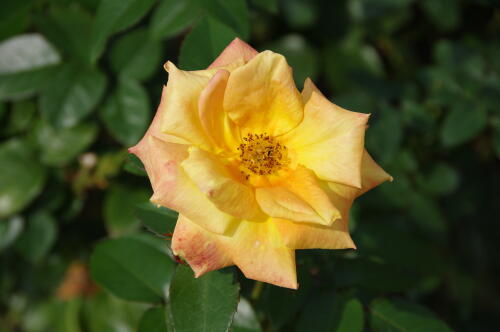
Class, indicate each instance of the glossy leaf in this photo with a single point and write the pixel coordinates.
(126, 114)
(134, 165)
(233, 14)
(245, 319)
(21, 117)
(159, 220)
(26, 52)
(204, 304)
(119, 209)
(208, 35)
(24, 84)
(171, 17)
(114, 16)
(73, 95)
(104, 312)
(330, 311)
(155, 320)
(60, 146)
(22, 178)
(136, 56)
(461, 124)
(69, 30)
(131, 269)
(397, 315)
(38, 237)
(10, 230)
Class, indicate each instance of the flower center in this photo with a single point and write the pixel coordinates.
(262, 154)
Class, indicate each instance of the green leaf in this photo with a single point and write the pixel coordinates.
(58, 147)
(38, 237)
(155, 320)
(233, 14)
(445, 13)
(21, 177)
(126, 114)
(211, 37)
(103, 312)
(351, 316)
(397, 315)
(245, 319)
(131, 269)
(462, 123)
(159, 220)
(373, 276)
(114, 16)
(14, 17)
(385, 135)
(19, 85)
(427, 215)
(269, 5)
(134, 165)
(136, 56)
(69, 30)
(282, 304)
(378, 239)
(442, 180)
(26, 52)
(300, 14)
(10, 230)
(330, 311)
(204, 304)
(21, 115)
(171, 17)
(72, 95)
(119, 206)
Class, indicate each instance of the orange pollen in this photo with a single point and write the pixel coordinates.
(261, 154)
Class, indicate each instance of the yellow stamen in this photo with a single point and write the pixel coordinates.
(261, 154)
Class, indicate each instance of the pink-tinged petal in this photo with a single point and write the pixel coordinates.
(329, 141)
(236, 50)
(215, 181)
(199, 247)
(255, 247)
(216, 123)
(307, 236)
(299, 198)
(261, 96)
(180, 117)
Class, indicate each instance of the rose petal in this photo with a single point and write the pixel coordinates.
(261, 96)
(307, 236)
(214, 120)
(236, 50)
(255, 247)
(181, 117)
(299, 198)
(198, 247)
(329, 141)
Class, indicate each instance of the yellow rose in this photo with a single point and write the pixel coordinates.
(255, 168)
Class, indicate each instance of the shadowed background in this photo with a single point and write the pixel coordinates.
(79, 83)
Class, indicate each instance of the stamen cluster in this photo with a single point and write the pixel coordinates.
(262, 154)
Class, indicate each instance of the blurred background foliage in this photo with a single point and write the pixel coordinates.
(82, 250)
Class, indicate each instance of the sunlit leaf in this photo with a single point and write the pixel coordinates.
(204, 304)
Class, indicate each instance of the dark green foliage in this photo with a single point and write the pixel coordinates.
(80, 81)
